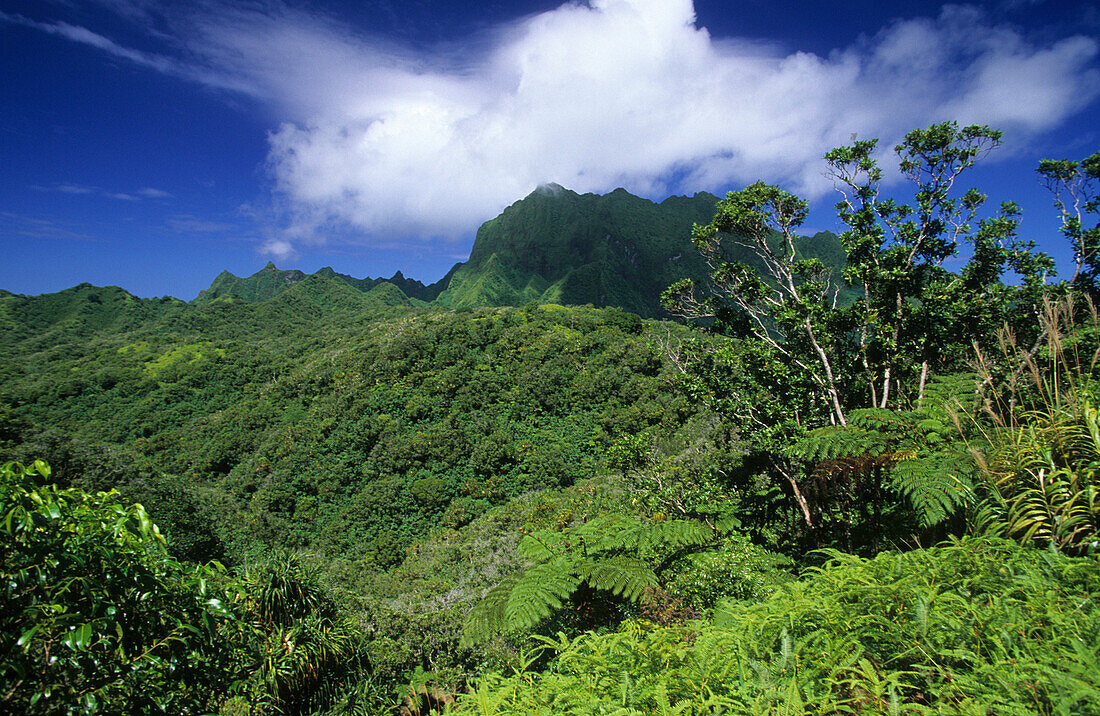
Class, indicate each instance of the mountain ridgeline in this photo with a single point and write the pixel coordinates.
(554, 246)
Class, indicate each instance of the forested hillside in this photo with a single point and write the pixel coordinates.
(854, 482)
(327, 420)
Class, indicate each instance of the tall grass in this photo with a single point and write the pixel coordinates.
(1040, 458)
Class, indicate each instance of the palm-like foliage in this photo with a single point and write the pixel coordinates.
(297, 654)
(1043, 479)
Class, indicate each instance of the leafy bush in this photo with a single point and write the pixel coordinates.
(740, 570)
(96, 615)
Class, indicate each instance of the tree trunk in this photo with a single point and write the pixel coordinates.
(798, 496)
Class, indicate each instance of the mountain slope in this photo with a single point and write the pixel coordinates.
(265, 284)
(77, 311)
(553, 246)
(557, 246)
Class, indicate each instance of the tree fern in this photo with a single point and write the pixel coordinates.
(608, 554)
(618, 533)
(935, 485)
(540, 546)
(539, 591)
(678, 533)
(917, 454)
(487, 616)
(622, 576)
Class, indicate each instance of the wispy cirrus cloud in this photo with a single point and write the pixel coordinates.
(191, 224)
(86, 190)
(33, 227)
(385, 139)
(182, 68)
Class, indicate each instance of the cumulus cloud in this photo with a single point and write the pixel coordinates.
(278, 248)
(398, 141)
(615, 93)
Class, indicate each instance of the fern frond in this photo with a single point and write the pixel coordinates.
(881, 420)
(540, 546)
(727, 523)
(538, 592)
(935, 485)
(617, 533)
(834, 442)
(944, 393)
(487, 616)
(675, 533)
(625, 576)
(611, 533)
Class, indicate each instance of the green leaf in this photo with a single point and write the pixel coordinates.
(25, 638)
(81, 637)
(217, 606)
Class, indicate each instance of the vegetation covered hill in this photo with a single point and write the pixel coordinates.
(562, 247)
(363, 434)
(554, 246)
(606, 250)
(329, 418)
(269, 282)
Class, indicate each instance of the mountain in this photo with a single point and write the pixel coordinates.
(557, 246)
(265, 284)
(409, 287)
(553, 246)
(75, 312)
(270, 281)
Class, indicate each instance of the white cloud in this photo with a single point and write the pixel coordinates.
(32, 227)
(398, 141)
(277, 248)
(167, 65)
(75, 189)
(616, 93)
(191, 224)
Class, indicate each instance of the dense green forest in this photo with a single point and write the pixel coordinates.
(850, 480)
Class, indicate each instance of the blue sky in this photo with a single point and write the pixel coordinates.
(150, 145)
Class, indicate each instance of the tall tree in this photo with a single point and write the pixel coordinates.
(790, 308)
(1076, 189)
(876, 352)
(910, 314)
(911, 310)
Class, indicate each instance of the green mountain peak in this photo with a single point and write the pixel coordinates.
(552, 246)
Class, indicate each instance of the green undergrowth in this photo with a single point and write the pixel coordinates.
(972, 626)
(415, 611)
